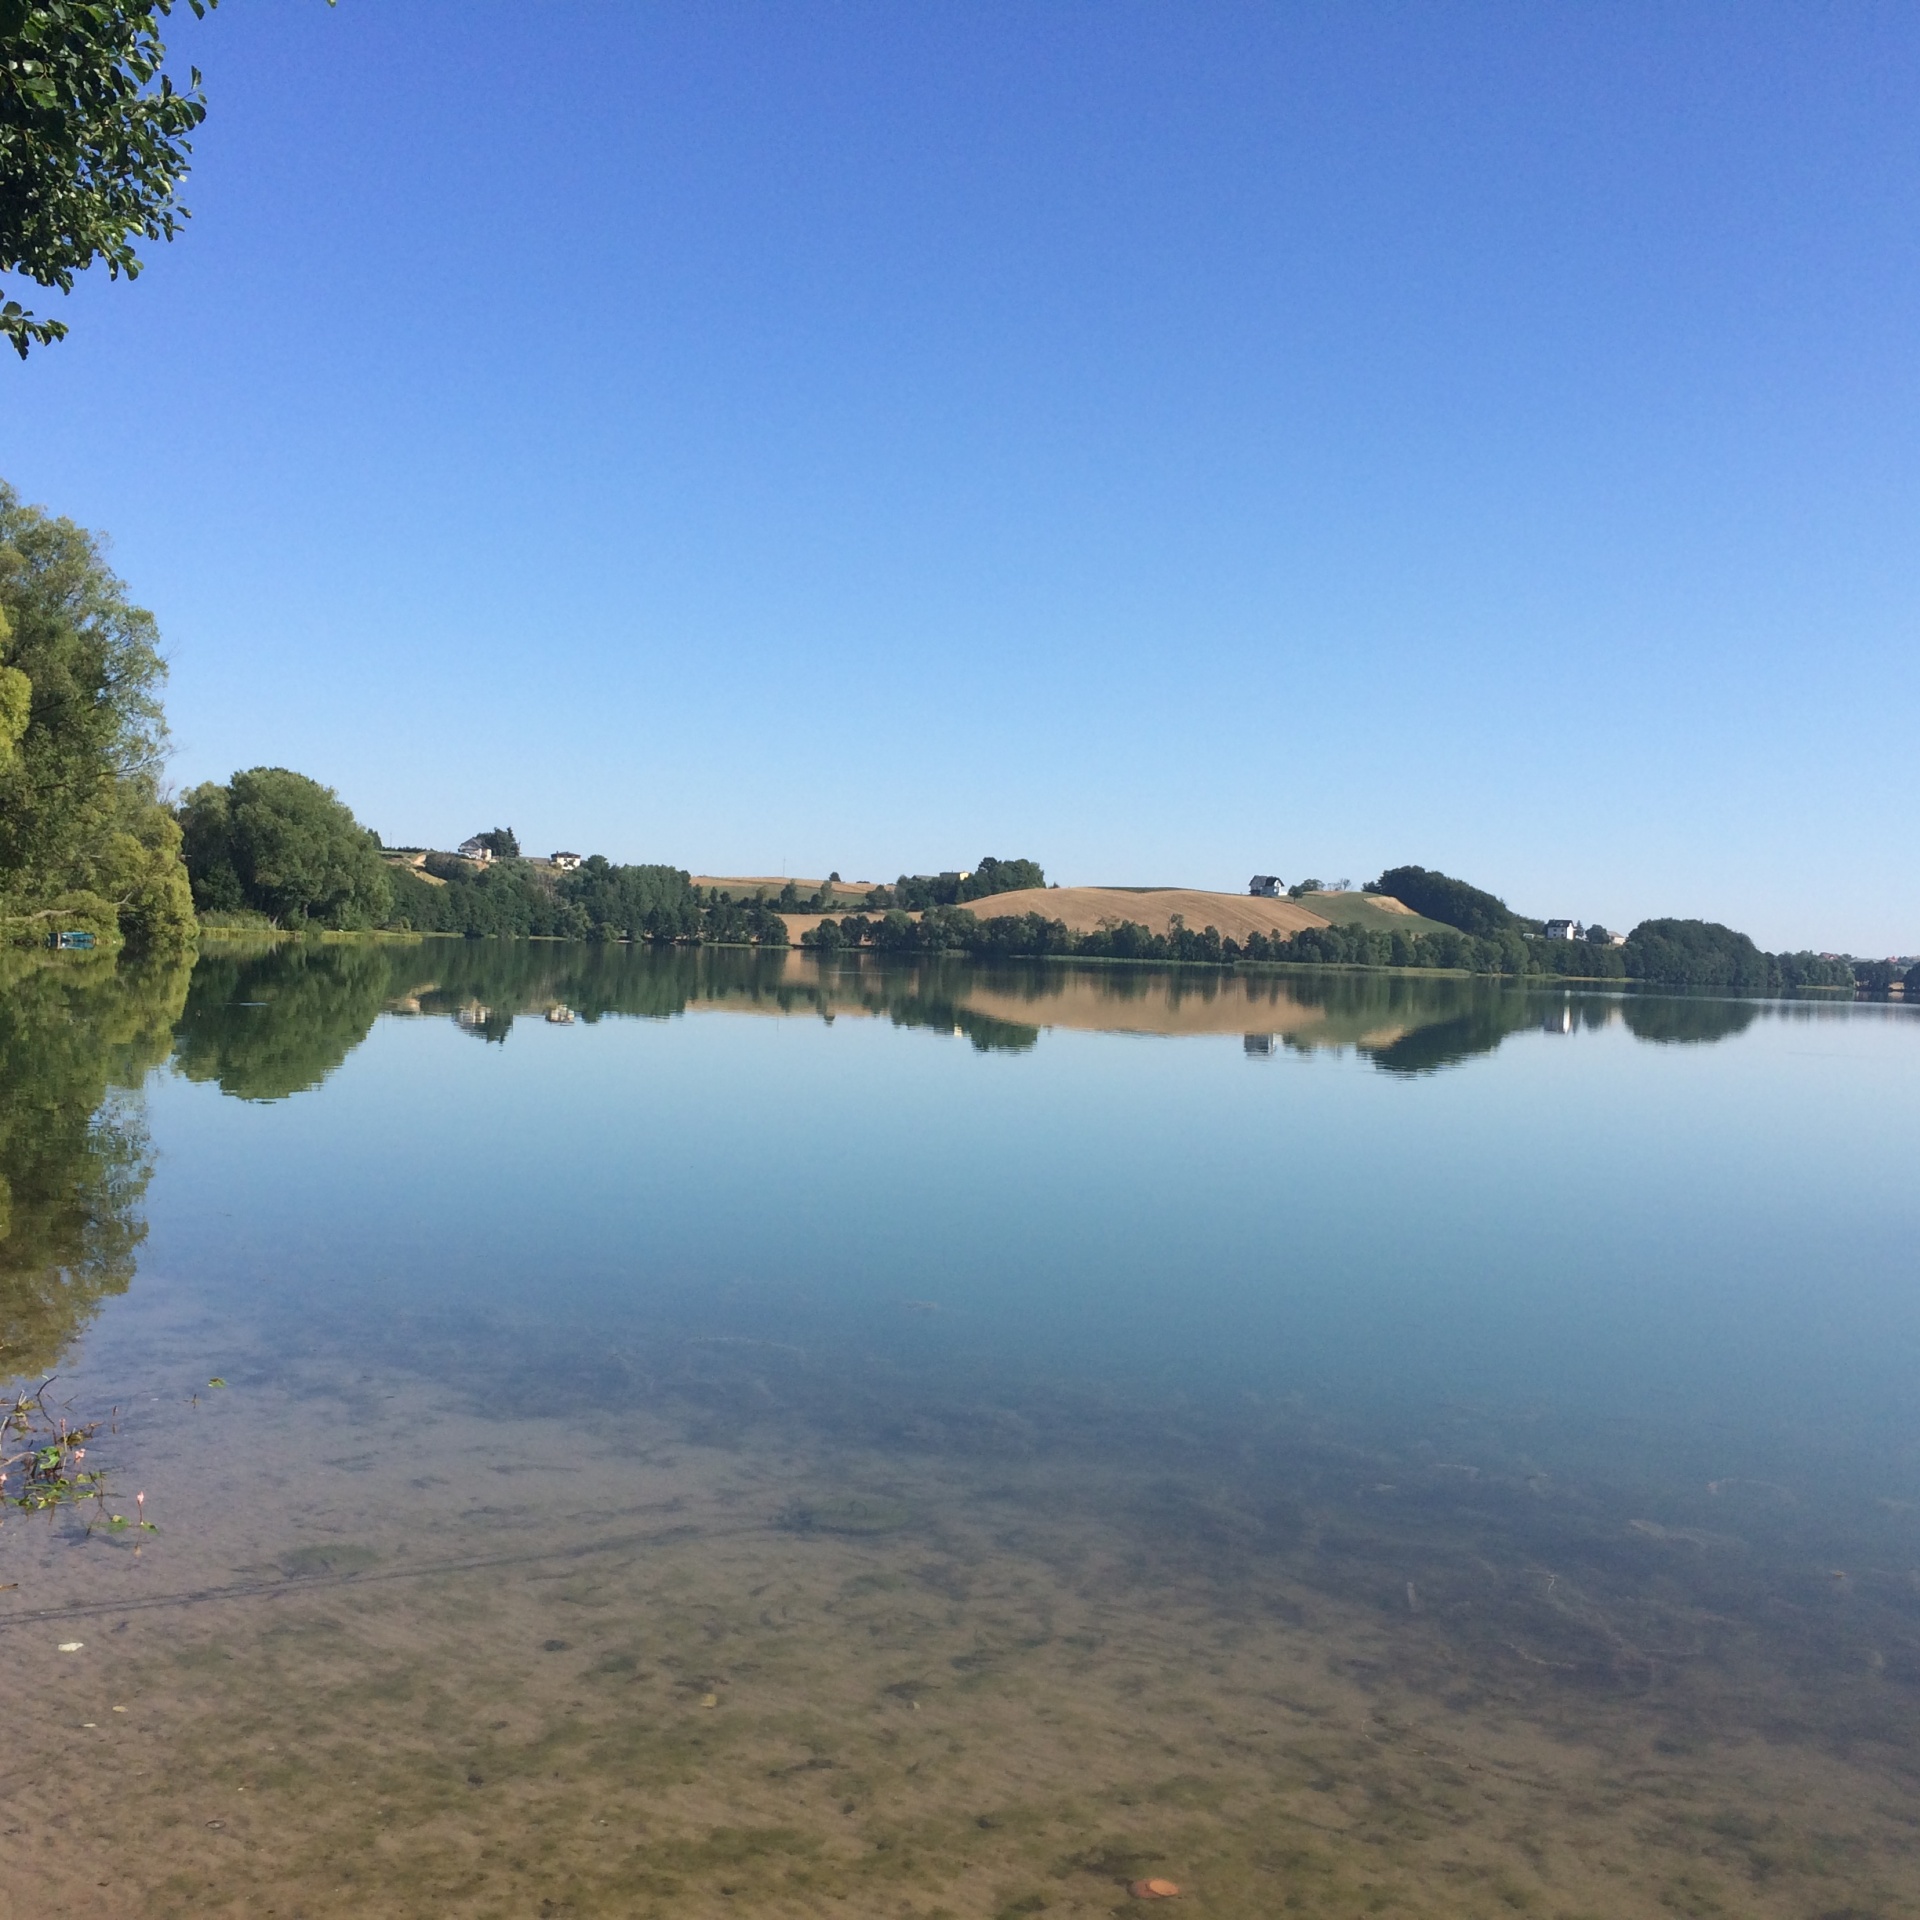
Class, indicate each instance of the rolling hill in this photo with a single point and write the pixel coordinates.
(1236, 914)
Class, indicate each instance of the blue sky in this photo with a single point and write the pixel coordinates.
(1165, 441)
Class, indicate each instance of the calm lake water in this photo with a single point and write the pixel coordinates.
(719, 1433)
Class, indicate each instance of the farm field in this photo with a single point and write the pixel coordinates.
(1085, 909)
(1378, 911)
(745, 886)
(1236, 914)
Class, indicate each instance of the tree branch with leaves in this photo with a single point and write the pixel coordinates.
(93, 144)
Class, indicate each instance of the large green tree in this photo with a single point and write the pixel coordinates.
(93, 143)
(274, 842)
(84, 839)
(1698, 953)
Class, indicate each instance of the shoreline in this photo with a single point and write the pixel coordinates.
(276, 936)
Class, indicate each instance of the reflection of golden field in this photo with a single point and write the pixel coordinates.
(1086, 999)
(438, 1665)
(1101, 999)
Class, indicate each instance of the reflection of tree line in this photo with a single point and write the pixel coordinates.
(265, 1025)
(77, 1038)
(487, 986)
(76, 1041)
(1481, 1027)
(268, 1023)
(1430, 1023)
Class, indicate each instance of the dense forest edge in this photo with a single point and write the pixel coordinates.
(93, 853)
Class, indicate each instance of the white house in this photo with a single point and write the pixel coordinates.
(1562, 930)
(566, 862)
(476, 850)
(1264, 886)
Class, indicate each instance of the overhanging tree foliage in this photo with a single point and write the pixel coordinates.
(93, 143)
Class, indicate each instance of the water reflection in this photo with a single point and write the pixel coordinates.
(268, 1022)
(1680, 1019)
(77, 1038)
(271, 1022)
(848, 1473)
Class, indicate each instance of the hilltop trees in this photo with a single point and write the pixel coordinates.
(274, 842)
(1452, 902)
(84, 839)
(993, 876)
(915, 892)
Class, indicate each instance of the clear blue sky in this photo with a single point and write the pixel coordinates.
(1168, 441)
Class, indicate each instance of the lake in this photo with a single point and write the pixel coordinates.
(716, 1432)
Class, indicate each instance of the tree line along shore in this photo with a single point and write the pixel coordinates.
(92, 853)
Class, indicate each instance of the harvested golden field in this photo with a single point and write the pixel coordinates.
(799, 923)
(1086, 908)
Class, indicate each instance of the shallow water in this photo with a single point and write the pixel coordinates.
(800, 1438)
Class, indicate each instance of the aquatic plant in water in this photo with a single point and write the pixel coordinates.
(42, 1452)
